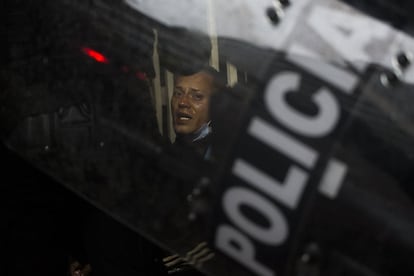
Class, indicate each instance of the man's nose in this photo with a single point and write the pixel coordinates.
(184, 101)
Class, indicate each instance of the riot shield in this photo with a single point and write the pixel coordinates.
(311, 156)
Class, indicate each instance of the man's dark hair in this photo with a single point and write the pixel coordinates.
(219, 79)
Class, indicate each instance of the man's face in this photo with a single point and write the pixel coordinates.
(190, 102)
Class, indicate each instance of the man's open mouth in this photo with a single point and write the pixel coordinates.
(183, 116)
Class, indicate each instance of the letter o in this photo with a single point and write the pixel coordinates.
(275, 234)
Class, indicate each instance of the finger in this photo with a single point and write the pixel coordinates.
(86, 270)
(74, 266)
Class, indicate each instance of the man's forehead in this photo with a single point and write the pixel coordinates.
(196, 81)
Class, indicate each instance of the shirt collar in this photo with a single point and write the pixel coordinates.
(202, 132)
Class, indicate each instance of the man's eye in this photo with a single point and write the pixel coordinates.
(198, 97)
(177, 93)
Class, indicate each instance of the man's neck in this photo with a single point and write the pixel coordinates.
(199, 134)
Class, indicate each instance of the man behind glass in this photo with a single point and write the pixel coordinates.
(190, 109)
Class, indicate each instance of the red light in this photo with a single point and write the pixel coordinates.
(95, 55)
(141, 75)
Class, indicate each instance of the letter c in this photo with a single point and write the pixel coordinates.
(311, 126)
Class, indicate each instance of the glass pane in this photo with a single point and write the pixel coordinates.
(239, 139)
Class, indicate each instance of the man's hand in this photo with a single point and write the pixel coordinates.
(76, 269)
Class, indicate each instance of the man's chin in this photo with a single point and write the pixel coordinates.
(183, 130)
